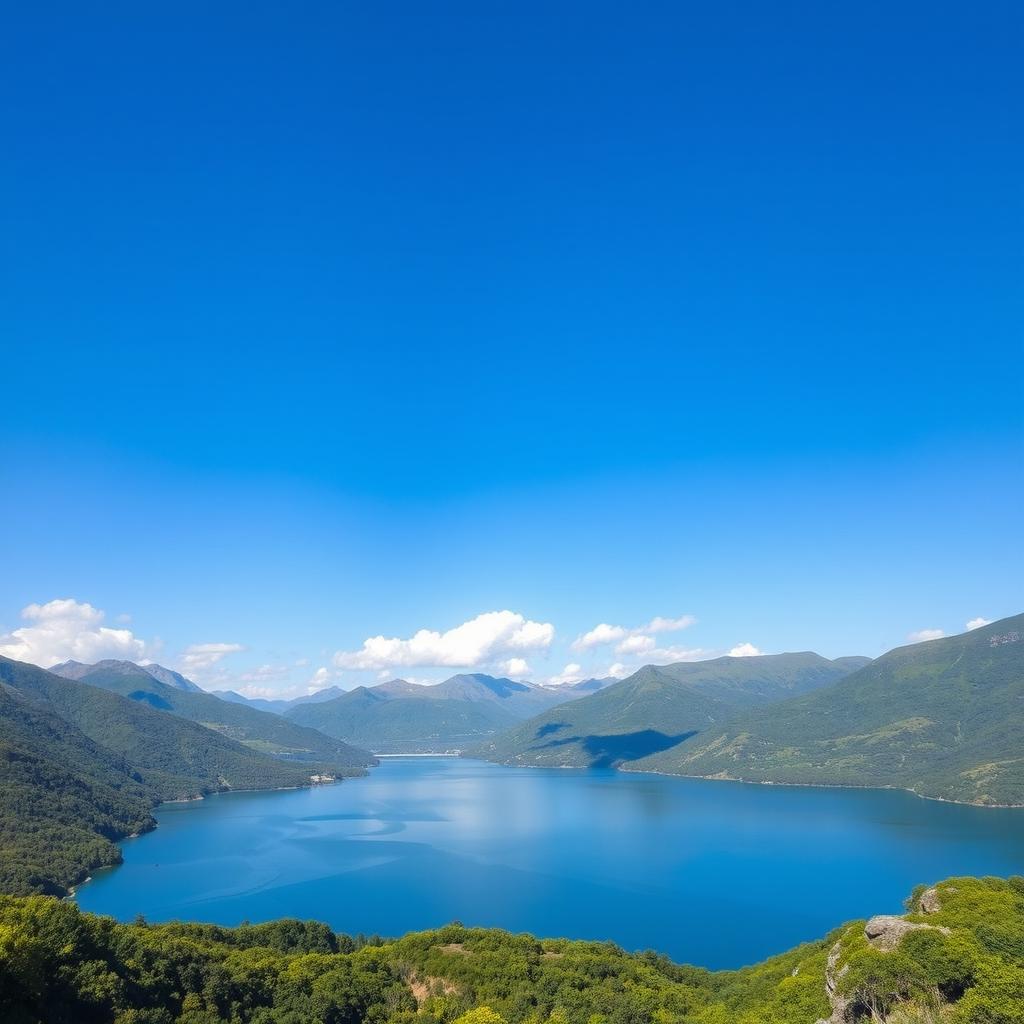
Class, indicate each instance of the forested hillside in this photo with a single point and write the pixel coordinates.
(942, 718)
(956, 957)
(81, 767)
(659, 707)
(259, 730)
(403, 717)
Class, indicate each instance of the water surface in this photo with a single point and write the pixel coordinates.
(713, 873)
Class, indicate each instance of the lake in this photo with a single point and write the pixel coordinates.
(713, 873)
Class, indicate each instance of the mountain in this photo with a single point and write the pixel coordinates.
(276, 707)
(279, 707)
(82, 767)
(258, 730)
(591, 685)
(658, 707)
(956, 956)
(943, 718)
(171, 678)
(402, 717)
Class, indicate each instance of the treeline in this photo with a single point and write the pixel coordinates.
(58, 966)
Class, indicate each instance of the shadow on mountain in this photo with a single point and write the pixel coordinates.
(546, 730)
(608, 751)
(152, 699)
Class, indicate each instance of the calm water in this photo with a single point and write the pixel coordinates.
(713, 873)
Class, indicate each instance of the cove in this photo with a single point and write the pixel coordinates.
(713, 873)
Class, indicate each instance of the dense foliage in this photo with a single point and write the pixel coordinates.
(58, 965)
(941, 718)
(81, 767)
(659, 707)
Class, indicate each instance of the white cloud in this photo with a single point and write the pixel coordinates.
(199, 657)
(478, 642)
(572, 673)
(662, 625)
(664, 655)
(618, 670)
(978, 623)
(636, 644)
(320, 679)
(925, 634)
(604, 633)
(515, 668)
(745, 651)
(67, 629)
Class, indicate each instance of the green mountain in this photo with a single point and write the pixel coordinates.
(64, 799)
(955, 957)
(403, 717)
(942, 718)
(258, 730)
(83, 767)
(657, 708)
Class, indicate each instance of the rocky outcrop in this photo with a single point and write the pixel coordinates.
(885, 931)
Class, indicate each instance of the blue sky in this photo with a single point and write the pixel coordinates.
(323, 322)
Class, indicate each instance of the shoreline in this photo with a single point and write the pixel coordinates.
(756, 782)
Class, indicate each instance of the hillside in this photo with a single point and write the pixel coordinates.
(942, 718)
(402, 717)
(83, 767)
(957, 956)
(64, 799)
(657, 708)
(259, 730)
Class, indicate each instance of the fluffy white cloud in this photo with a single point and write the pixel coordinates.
(604, 633)
(636, 644)
(484, 640)
(572, 673)
(515, 668)
(320, 679)
(618, 670)
(67, 629)
(199, 657)
(745, 651)
(978, 623)
(925, 634)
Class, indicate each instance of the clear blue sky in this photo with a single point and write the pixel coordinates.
(322, 321)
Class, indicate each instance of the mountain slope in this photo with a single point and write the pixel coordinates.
(403, 717)
(64, 799)
(172, 757)
(942, 718)
(645, 712)
(656, 708)
(259, 730)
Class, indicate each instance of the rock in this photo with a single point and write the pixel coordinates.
(930, 902)
(885, 931)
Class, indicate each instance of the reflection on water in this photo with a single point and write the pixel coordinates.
(712, 873)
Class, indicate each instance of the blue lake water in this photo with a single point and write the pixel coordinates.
(713, 873)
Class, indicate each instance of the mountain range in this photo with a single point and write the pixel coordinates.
(942, 718)
(658, 707)
(258, 730)
(402, 717)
